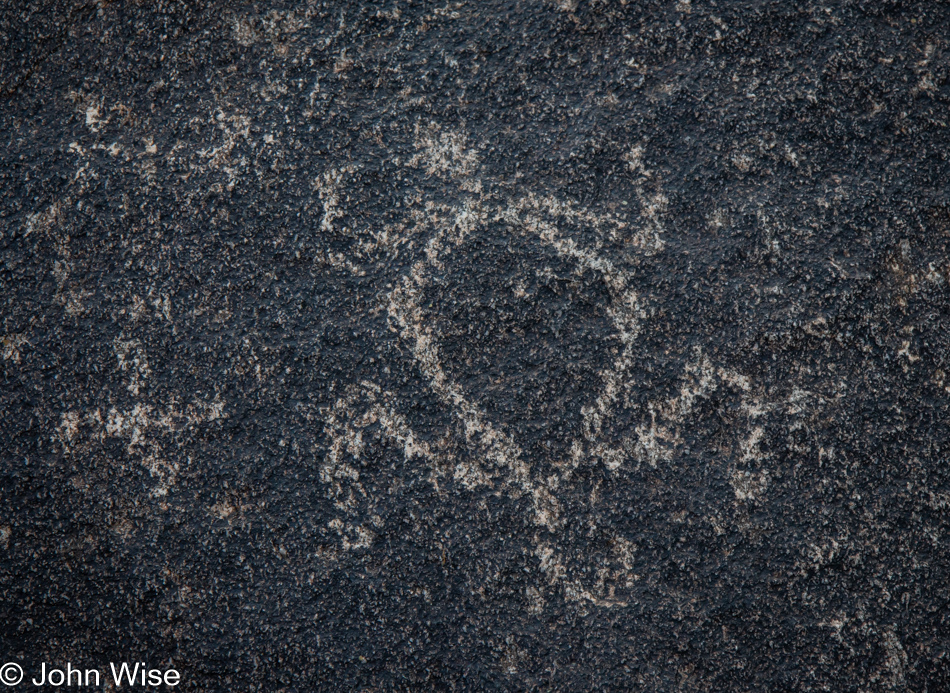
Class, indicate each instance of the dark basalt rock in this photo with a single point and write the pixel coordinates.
(477, 346)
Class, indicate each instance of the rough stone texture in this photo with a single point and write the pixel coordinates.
(477, 345)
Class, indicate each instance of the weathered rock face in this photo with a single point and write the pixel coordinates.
(477, 346)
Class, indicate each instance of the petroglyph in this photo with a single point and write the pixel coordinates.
(148, 431)
(485, 453)
(132, 359)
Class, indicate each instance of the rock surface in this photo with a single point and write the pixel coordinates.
(477, 345)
